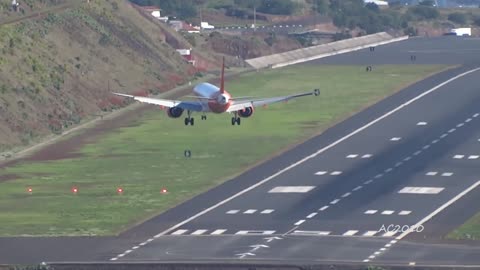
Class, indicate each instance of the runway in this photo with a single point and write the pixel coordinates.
(411, 159)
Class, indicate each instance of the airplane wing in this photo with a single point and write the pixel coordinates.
(240, 105)
(186, 105)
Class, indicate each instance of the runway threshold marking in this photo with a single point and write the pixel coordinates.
(426, 219)
(320, 151)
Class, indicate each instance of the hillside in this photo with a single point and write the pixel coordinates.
(55, 66)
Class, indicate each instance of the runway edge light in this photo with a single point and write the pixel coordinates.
(164, 191)
(29, 190)
(74, 190)
(120, 190)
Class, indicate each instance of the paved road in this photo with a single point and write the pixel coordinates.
(410, 159)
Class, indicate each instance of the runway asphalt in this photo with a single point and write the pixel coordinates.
(410, 159)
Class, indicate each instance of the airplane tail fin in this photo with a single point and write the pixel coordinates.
(222, 79)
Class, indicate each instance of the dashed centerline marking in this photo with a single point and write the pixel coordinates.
(323, 208)
(312, 215)
(299, 222)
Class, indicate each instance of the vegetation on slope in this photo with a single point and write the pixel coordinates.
(55, 68)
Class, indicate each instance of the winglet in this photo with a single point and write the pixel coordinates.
(222, 79)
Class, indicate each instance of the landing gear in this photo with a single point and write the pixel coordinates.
(204, 117)
(235, 120)
(189, 119)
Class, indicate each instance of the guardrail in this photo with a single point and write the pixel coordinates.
(320, 51)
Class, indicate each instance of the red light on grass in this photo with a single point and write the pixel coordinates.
(119, 190)
(164, 190)
(74, 190)
(29, 190)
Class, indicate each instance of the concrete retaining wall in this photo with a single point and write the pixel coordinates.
(324, 50)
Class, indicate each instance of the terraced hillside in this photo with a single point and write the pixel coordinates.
(58, 57)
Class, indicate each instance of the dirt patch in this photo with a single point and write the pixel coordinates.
(8, 177)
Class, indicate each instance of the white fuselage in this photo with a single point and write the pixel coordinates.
(217, 102)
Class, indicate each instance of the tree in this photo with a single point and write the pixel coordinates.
(372, 6)
(458, 17)
(320, 6)
(428, 3)
(279, 7)
(476, 21)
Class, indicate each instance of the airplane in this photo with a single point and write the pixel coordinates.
(215, 100)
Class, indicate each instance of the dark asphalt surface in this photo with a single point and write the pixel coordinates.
(340, 218)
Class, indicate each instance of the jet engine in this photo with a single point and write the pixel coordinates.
(174, 112)
(247, 112)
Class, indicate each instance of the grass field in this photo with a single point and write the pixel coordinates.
(148, 155)
(468, 231)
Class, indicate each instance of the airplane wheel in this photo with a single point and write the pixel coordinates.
(238, 121)
(233, 121)
(192, 121)
(186, 121)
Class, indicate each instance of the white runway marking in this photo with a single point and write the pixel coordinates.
(421, 190)
(404, 213)
(267, 211)
(198, 232)
(335, 201)
(473, 157)
(378, 175)
(389, 234)
(346, 195)
(367, 156)
(458, 156)
(231, 212)
(350, 233)
(312, 215)
(452, 130)
(298, 232)
(447, 174)
(435, 141)
(357, 188)
(394, 139)
(431, 173)
(218, 232)
(254, 232)
(460, 125)
(250, 211)
(324, 208)
(387, 212)
(336, 173)
(321, 173)
(352, 156)
(179, 232)
(368, 182)
(299, 222)
(370, 233)
(371, 212)
(443, 135)
(320, 151)
(421, 123)
(291, 189)
(388, 170)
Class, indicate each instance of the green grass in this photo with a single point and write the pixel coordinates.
(468, 231)
(148, 155)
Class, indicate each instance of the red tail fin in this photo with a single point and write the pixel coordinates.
(222, 79)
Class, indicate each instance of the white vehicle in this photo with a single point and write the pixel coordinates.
(205, 25)
(462, 32)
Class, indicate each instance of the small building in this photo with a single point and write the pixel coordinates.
(187, 55)
(155, 12)
(379, 3)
